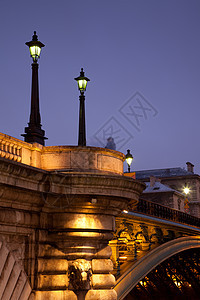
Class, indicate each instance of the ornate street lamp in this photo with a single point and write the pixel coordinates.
(34, 132)
(35, 47)
(82, 84)
(129, 159)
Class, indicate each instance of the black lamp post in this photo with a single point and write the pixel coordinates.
(129, 159)
(82, 84)
(34, 132)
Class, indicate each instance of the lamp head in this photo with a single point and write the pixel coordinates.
(35, 47)
(129, 158)
(82, 82)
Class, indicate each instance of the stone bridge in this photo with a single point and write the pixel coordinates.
(144, 244)
(63, 209)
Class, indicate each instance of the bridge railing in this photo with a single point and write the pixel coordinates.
(10, 150)
(156, 210)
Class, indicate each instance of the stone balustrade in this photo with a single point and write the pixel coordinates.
(19, 151)
(62, 158)
(11, 151)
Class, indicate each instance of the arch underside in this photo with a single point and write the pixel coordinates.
(171, 271)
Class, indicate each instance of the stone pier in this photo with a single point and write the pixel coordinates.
(63, 208)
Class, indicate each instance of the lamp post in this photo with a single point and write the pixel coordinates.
(82, 84)
(129, 159)
(34, 132)
(186, 191)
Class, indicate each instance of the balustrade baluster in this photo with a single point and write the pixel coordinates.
(157, 210)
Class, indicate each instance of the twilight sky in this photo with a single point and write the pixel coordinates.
(143, 60)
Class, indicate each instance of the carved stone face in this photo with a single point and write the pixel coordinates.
(79, 274)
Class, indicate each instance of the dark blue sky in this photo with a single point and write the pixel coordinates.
(143, 59)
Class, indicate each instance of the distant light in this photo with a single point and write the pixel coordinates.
(177, 283)
(125, 211)
(123, 239)
(123, 257)
(186, 190)
(143, 283)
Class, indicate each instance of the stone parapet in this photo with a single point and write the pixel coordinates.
(19, 151)
(62, 158)
(82, 159)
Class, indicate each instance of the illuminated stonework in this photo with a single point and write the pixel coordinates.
(63, 200)
(62, 158)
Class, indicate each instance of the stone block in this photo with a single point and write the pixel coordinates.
(55, 295)
(104, 252)
(102, 265)
(51, 265)
(47, 250)
(103, 281)
(43, 235)
(101, 295)
(110, 163)
(83, 221)
(52, 281)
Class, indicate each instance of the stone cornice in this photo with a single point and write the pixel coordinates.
(26, 180)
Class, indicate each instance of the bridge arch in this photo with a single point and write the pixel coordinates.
(147, 263)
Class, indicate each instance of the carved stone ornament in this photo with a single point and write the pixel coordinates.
(79, 274)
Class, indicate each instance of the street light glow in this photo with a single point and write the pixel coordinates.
(82, 81)
(129, 159)
(35, 52)
(186, 190)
